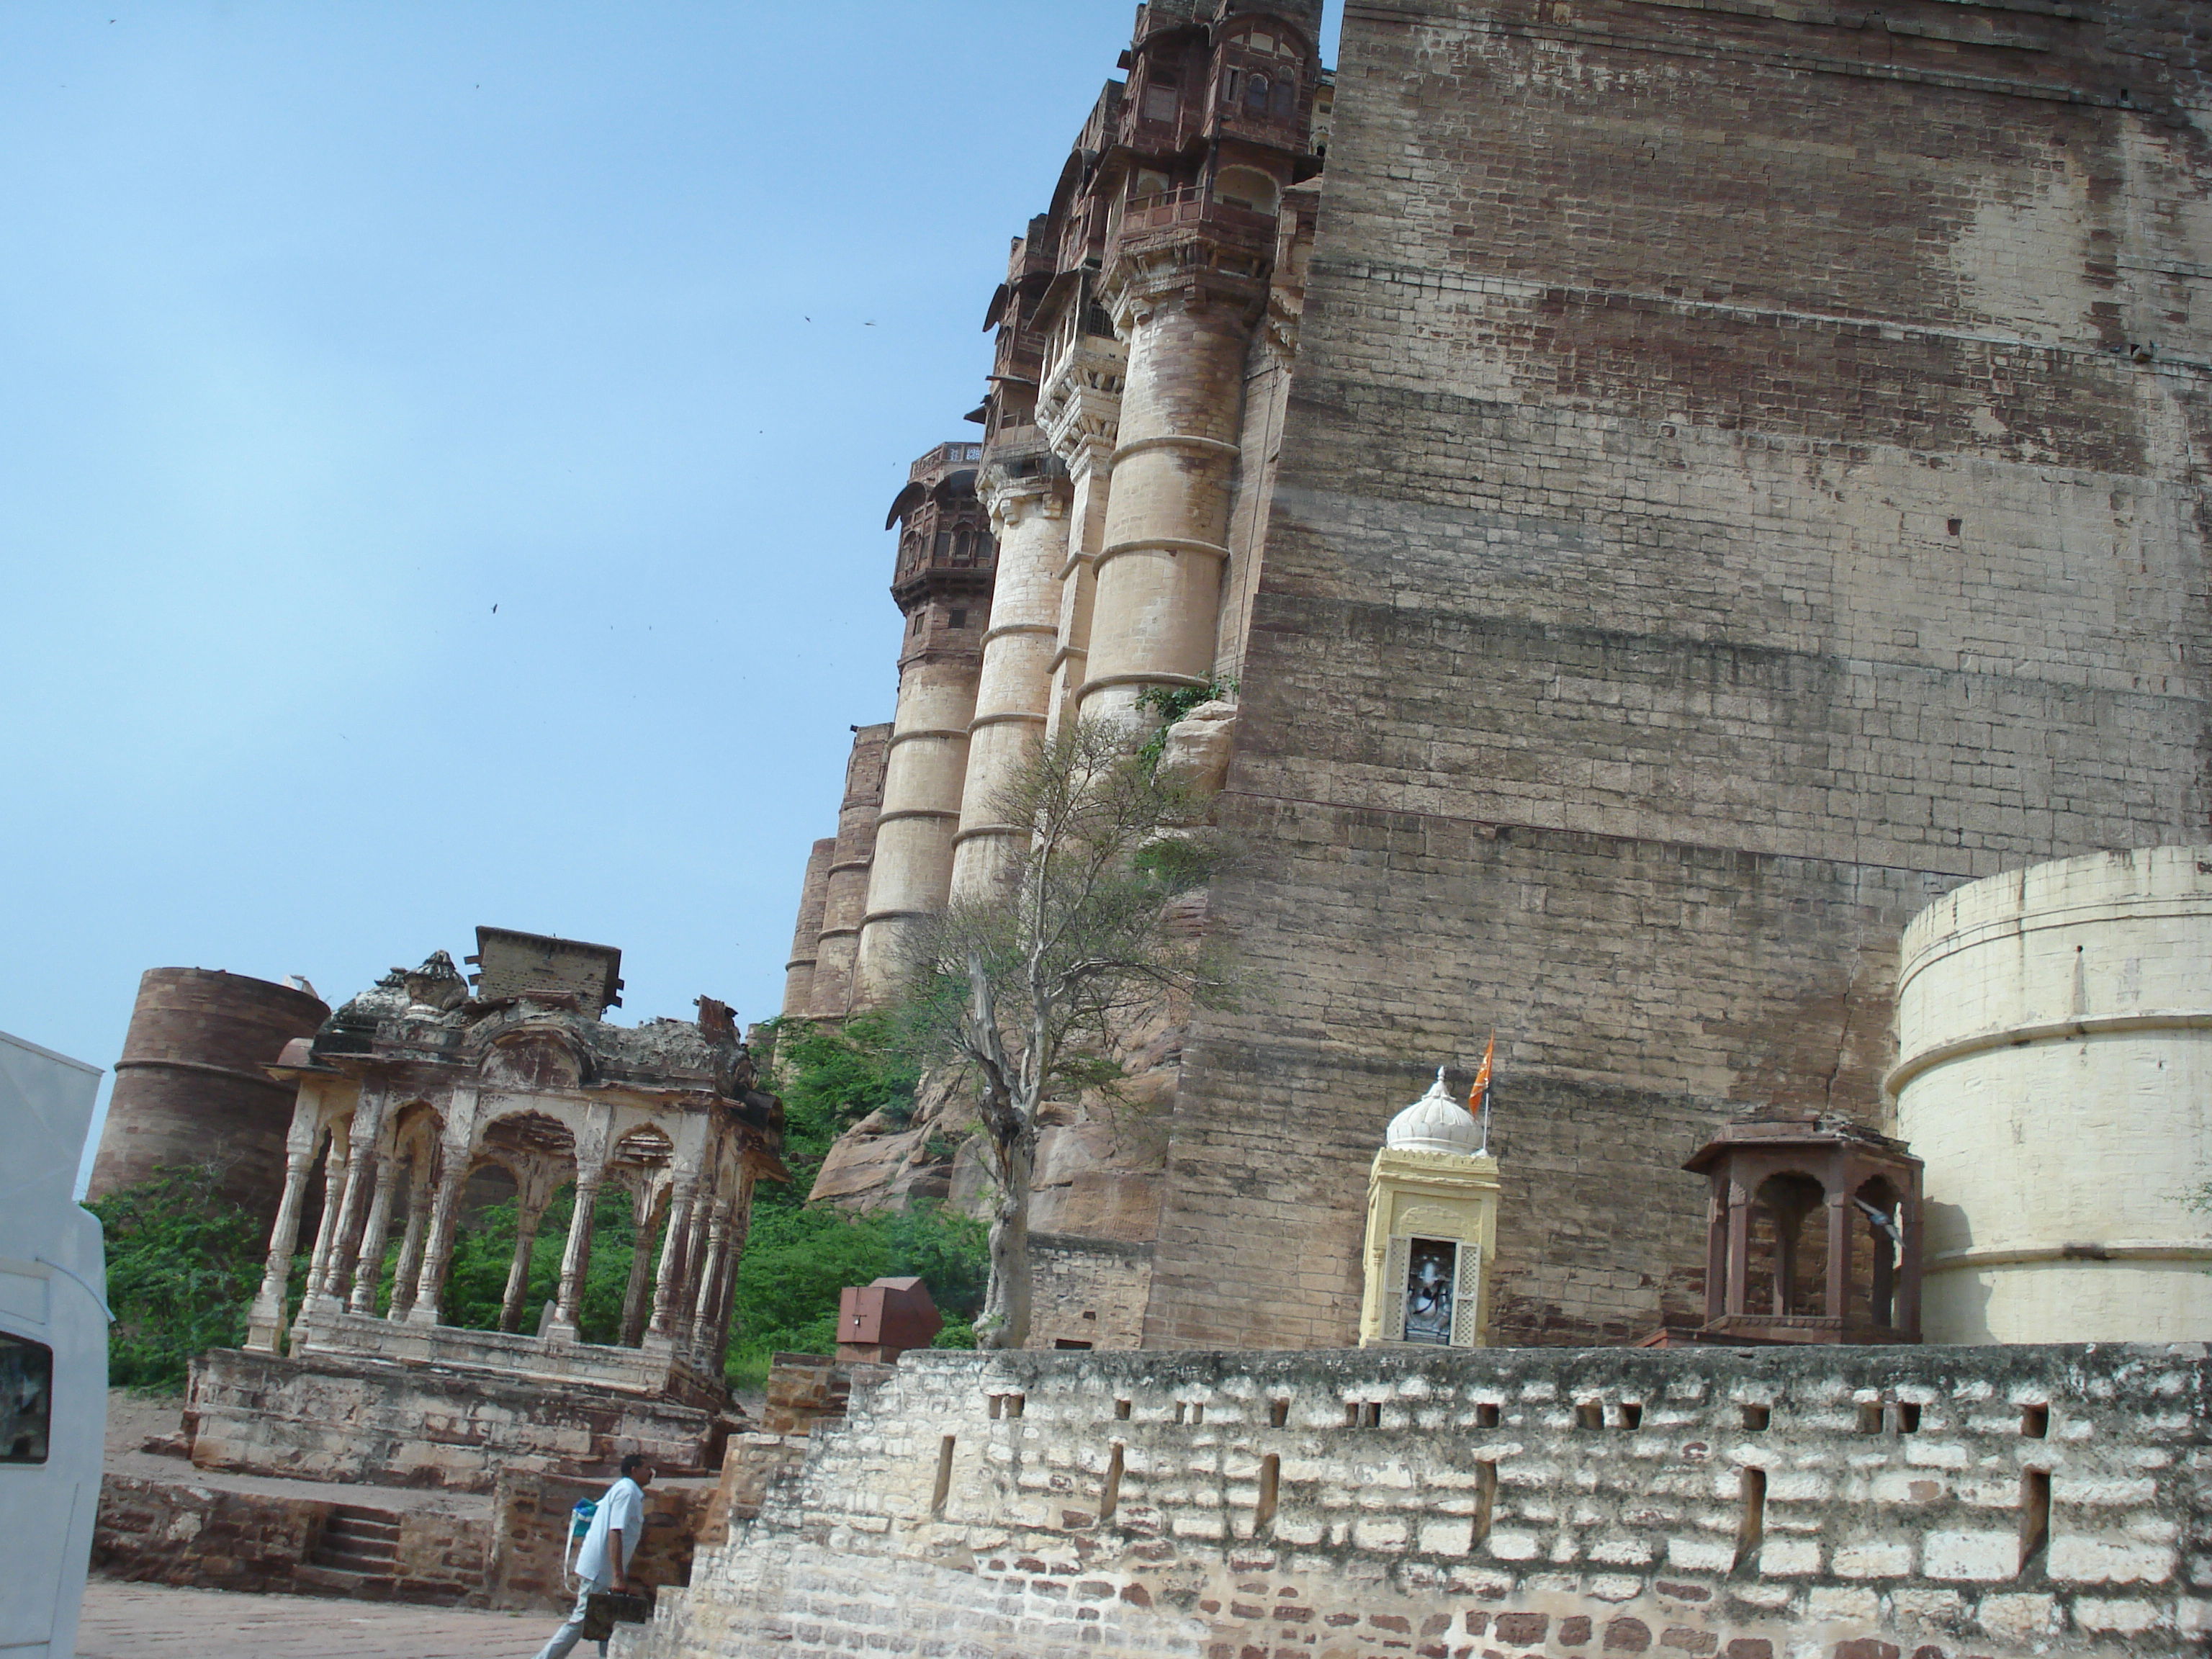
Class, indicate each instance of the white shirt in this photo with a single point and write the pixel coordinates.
(622, 1509)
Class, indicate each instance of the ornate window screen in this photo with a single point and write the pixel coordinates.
(1394, 1280)
(1467, 1307)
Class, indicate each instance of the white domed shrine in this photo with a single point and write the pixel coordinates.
(1431, 1225)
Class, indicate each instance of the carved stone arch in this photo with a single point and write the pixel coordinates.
(647, 1146)
(525, 1134)
(412, 1126)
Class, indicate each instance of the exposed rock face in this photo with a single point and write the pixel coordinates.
(1199, 744)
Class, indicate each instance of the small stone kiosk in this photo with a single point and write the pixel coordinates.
(409, 1094)
(1813, 1235)
(1431, 1227)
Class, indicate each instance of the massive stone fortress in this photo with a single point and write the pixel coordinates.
(1678, 485)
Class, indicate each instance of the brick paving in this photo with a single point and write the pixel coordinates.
(152, 1622)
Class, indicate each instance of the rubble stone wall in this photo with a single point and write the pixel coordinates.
(507, 1551)
(1944, 1503)
(173, 1532)
(1742, 479)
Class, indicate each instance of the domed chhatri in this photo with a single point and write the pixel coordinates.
(1437, 1122)
(1431, 1225)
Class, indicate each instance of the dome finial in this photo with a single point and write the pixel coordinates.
(1437, 1122)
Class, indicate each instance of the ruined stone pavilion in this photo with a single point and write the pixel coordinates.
(411, 1093)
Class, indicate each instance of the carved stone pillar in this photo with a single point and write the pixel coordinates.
(668, 1288)
(334, 1167)
(704, 1301)
(411, 1243)
(576, 1259)
(1836, 1305)
(456, 1160)
(532, 1195)
(264, 1329)
(360, 1174)
(368, 1267)
(740, 1226)
(1739, 1248)
(648, 1201)
(1717, 1249)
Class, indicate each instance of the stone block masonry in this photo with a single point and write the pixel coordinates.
(1767, 1504)
(320, 1419)
(1742, 478)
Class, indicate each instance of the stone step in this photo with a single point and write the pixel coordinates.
(359, 1540)
(354, 1518)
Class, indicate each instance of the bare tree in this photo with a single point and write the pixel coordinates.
(1031, 990)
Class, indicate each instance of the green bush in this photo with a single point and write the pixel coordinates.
(831, 1079)
(797, 1261)
(798, 1257)
(183, 1265)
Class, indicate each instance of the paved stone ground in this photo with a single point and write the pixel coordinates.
(154, 1621)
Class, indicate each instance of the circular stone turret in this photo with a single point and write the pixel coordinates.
(192, 1086)
(1435, 1124)
(2054, 1074)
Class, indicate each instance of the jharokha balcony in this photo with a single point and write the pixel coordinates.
(1190, 210)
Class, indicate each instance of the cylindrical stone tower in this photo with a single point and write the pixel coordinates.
(2055, 1073)
(191, 1087)
(845, 882)
(1026, 494)
(943, 585)
(1166, 521)
(806, 931)
(1186, 277)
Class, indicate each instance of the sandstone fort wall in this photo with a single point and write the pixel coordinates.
(1742, 479)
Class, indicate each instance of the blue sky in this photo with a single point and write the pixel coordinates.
(443, 456)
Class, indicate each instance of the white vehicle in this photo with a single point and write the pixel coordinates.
(53, 1351)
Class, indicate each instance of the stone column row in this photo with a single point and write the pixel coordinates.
(699, 1221)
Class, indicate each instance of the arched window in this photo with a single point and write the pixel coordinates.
(1256, 87)
(1245, 187)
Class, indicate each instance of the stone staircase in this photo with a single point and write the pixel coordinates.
(361, 1542)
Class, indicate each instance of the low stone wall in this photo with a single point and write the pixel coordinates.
(1767, 1504)
(529, 1548)
(507, 1551)
(163, 1532)
(807, 1389)
(325, 1417)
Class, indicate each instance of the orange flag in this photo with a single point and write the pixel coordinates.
(1481, 1092)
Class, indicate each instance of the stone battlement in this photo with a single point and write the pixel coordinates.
(1845, 1502)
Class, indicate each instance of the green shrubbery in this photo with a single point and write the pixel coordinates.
(797, 1259)
(183, 1264)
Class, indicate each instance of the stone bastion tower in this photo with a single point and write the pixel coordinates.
(1677, 488)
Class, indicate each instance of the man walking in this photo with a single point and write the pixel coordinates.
(602, 1558)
